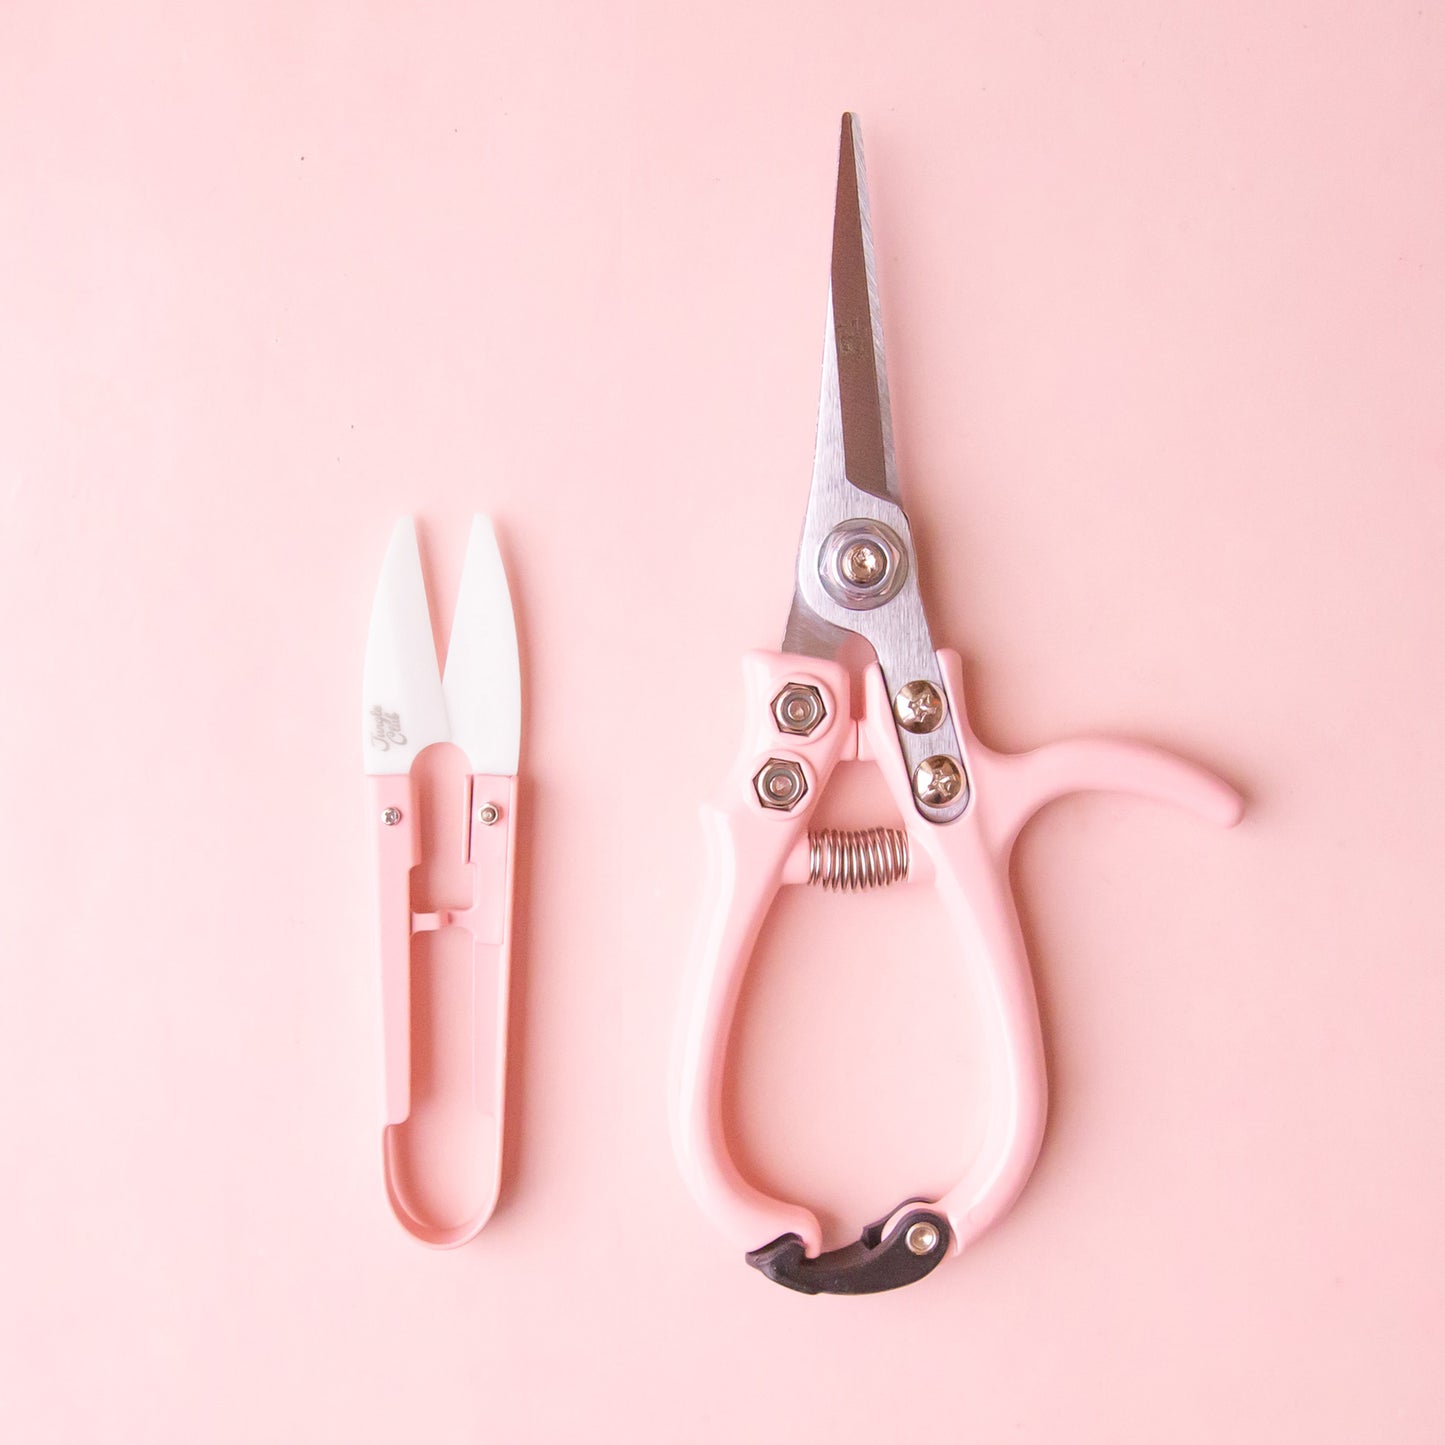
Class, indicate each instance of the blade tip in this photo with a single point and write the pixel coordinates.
(850, 143)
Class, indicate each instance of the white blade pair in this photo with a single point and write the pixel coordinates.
(476, 702)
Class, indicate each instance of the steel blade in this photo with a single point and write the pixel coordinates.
(854, 447)
(854, 497)
(857, 349)
(482, 682)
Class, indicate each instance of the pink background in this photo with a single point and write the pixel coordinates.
(1163, 289)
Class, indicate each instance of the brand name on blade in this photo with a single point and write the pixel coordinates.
(854, 333)
(386, 729)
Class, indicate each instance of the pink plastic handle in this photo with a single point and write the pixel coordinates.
(968, 861)
(392, 801)
(748, 849)
(491, 803)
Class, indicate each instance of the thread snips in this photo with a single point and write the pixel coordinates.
(406, 707)
(962, 806)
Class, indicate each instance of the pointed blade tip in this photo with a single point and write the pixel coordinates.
(481, 678)
(482, 542)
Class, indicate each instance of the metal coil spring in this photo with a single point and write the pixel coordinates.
(868, 858)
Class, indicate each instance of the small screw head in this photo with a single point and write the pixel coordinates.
(921, 1238)
(937, 780)
(864, 564)
(780, 784)
(918, 707)
(488, 813)
(391, 816)
(799, 709)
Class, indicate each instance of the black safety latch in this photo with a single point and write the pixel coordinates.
(913, 1247)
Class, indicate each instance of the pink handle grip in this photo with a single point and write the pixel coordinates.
(748, 848)
(491, 803)
(968, 860)
(391, 796)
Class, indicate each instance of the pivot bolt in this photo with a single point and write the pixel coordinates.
(799, 709)
(780, 784)
(921, 1238)
(864, 564)
(918, 707)
(391, 816)
(937, 780)
(488, 813)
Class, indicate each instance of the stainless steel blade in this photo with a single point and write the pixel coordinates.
(854, 447)
(855, 492)
(862, 376)
(402, 706)
(482, 681)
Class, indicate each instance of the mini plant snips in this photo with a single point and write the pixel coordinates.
(475, 703)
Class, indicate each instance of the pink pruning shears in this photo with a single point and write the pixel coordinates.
(963, 806)
(406, 707)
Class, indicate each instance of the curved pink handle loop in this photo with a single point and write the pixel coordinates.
(968, 859)
(428, 1231)
(971, 878)
(748, 848)
(491, 851)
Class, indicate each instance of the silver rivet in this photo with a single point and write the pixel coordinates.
(391, 816)
(921, 1238)
(799, 709)
(488, 813)
(780, 784)
(864, 564)
(918, 707)
(937, 780)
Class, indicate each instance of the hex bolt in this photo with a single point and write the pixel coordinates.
(391, 816)
(780, 784)
(919, 707)
(799, 709)
(922, 1237)
(488, 813)
(937, 781)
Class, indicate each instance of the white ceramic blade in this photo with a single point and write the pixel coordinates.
(403, 709)
(482, 681)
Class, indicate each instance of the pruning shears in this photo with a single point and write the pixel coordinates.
(961, 804)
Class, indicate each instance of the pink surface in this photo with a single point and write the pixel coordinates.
(1165, 307)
